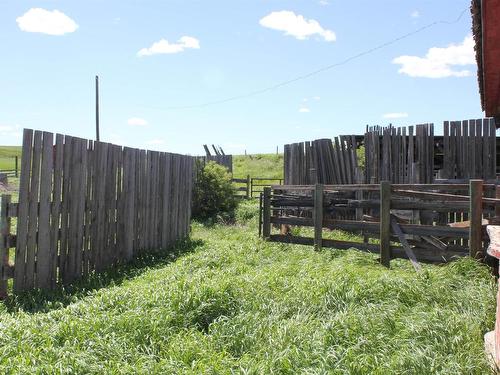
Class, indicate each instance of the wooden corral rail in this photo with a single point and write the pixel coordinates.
(85, 206)
(251, 187)
(243, 187)
(411, 214)
(258, 184)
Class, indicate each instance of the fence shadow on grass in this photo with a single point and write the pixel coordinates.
(37, 301)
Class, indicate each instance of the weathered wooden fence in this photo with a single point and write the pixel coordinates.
(389, 213)
(467, 149)
(85, 206)
(322, 161)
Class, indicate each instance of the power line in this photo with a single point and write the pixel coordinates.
(315, 72)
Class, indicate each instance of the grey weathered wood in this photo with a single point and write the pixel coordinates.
(23, 212)
(318, 216)
(406, 246)
(33, 211)
(44, 255)
(266, 214)
(475, 234)
(4, 243)
(385, 223)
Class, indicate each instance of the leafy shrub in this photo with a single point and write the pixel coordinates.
(213, 196)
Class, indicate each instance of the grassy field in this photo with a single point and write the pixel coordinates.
(7, 155)
(259, 165)
(230, 303)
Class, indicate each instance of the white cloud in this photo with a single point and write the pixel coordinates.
(440, 62)
(163, 46)
(317, 98)
(296, 25)
(395, 115)
(137, 121)
(415, 14)
(38, 20)
(324, 2)
(304, 110)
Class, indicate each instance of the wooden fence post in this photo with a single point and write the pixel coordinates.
(318, 216)
(17, 166)
(266, 208)
(248, 187)
(476, 219)
(4, 244)
(497, 206)
(385, 223)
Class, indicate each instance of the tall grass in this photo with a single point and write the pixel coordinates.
(229, 303)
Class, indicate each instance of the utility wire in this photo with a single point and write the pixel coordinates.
(315, 72)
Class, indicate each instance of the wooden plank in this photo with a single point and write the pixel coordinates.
(385, 223)
(266, 214)
(23, 212)
(33, 211)
(89, 207)
(167, 189)
(65, 208)
(476, 212)
(4, 244)
(74, 210)
(406, 246)
(318, 216)
(129, 194)
(45, 252)
(55, 214)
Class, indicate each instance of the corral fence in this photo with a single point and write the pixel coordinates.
(10, 166)
(85, 206)
(252, 187)
(414, 154)
(422, 218)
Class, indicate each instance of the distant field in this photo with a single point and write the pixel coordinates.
(258, 165)
(7, 156)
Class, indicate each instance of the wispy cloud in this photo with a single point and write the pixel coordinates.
(324, 2)
(394, 115)
(415, 14)
(38, 20)
(304, 110)
(137, 121)
(163, 46)
(296, 25)
(440, 62)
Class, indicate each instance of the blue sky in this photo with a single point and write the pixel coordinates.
(155, 56)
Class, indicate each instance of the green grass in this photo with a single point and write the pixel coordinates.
(7, 157)
(230, 303)
(259, 165)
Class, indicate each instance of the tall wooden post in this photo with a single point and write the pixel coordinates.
(17, 166)
(4, 243)
(266, 213)
(385, 223)
(97, 108)
(476, 219)
(318, 216)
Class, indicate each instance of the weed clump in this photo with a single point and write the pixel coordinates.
(214, 195)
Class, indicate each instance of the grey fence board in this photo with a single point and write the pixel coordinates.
(85, 206)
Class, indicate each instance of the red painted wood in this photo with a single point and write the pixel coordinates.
(491, 56)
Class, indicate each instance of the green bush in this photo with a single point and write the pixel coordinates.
(214, 194)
